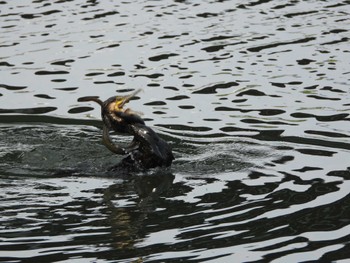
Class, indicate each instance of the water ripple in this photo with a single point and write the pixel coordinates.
(253, 98)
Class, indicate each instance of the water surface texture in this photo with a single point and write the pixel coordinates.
(253, 97)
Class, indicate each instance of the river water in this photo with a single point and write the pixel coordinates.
(253, 97)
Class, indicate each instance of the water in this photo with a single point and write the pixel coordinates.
(253, 96)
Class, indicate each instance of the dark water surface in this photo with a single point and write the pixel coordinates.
(253, 96)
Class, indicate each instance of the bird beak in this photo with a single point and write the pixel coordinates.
(121, 102)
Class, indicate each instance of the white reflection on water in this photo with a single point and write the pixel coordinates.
(260, 163)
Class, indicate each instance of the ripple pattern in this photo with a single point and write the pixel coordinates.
(253, 97)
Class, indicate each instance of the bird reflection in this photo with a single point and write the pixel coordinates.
(129, 204)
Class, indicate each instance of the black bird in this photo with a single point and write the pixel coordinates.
(147, 149)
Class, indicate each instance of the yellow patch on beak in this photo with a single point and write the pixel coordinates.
(119, 103)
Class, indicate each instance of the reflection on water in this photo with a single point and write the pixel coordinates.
(253, 97)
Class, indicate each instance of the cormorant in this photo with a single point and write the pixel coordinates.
(147, 149)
